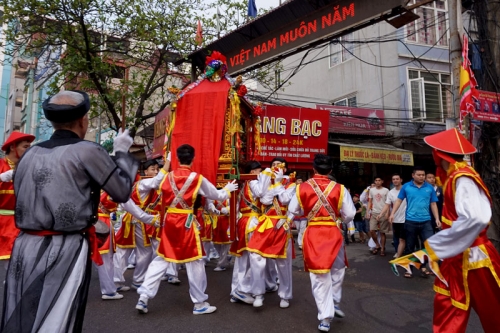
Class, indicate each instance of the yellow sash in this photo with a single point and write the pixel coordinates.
(268, 224)
(127, 219)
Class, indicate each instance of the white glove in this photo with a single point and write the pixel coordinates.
(7, 176)
(156, 221)
(224, 211)
(168, 157)
(122, 142)
(232, 186)
(278, 176)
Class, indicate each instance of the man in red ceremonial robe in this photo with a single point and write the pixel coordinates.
(272, 238)
(324, 203)
(249, 207)
(107, 249)
(180, 240)
(14, 147)
(470, 265)
(220, 238)
(133, 233)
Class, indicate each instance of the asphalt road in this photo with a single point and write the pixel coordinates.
(374, 300)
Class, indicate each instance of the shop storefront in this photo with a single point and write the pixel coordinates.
(356, 165)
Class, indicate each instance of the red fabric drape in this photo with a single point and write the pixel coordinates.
(199, 123)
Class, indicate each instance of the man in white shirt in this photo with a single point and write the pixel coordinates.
(376, 203)
(399, 217)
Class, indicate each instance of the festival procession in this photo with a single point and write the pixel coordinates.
(288, 165)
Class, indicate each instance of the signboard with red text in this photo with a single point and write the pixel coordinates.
(487, 108)
(161, 122)
(322, 24)
(344, 119)
(296, 134)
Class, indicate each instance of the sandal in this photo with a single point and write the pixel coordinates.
(382, 252)
(376, 250)
(408, 275)
(425, 273)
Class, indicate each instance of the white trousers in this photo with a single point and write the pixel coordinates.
(301, 227)
(260, 278)
(327, 288)
(58, 317)
(223, 250)
(143, 255)
(106, 271)
(242, 277)
(196, 276)
(173, 268)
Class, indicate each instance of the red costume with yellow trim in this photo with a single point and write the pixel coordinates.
(220, 224)
(8, 230)
(322, 237)
(106, 207)
(470, 267)
(152, 231)
(267, 240)
(249, 208)
(125, 237)
(180, 240)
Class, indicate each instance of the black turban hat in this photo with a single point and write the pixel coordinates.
(66, 113)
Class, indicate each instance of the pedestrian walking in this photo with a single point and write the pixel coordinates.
(14, 147)
(419, 196)
(324, 202)
(398, 226)
(57, 185)
(431, 179)
(359, 222)
(469, 263)
(378, 223)
(180, 240)
(272, 238)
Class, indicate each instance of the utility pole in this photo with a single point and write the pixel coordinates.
(488, 162)
(456, 60)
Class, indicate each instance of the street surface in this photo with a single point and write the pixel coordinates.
(374, 300)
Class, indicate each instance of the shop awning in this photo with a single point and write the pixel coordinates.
(374, 153)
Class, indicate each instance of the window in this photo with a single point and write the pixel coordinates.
(430, 95)
(341, 50)
(431, 25)
(114, 44)
(348, 101)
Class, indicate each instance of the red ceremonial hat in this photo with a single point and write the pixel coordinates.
(451, 142)
(16, 137)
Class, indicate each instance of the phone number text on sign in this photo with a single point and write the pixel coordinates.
(296, 134)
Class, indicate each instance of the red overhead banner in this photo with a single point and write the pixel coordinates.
(344, 119)
(296, 134)
(487, 108)
(161, 122)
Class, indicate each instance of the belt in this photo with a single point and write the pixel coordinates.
(253, 214)
(90, 231)
(179, 211)
(6, 212)
(323, 223)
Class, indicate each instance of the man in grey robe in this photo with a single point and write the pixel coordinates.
(57, 185)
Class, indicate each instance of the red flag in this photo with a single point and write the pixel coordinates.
(199, 35)
(468, 84)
